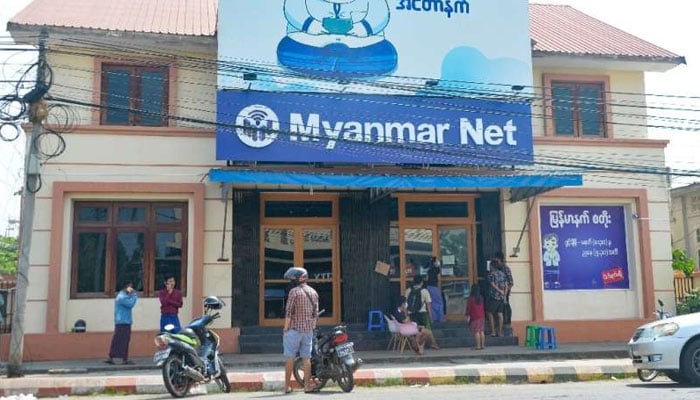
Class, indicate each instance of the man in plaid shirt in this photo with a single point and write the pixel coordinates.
(299, 324)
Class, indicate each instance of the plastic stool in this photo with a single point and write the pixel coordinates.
(531, 335)
(546, 337)
(375, 320)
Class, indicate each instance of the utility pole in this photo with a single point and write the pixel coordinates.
(37, 113)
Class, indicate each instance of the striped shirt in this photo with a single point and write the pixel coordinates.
(302, 308)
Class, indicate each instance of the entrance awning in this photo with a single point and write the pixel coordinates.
(391, 181)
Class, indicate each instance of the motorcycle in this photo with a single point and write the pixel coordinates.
(191, 356)
(332, 357)
(648, 375)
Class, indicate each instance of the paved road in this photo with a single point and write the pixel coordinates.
(662, 389)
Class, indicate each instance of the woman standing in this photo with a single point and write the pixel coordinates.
(476, 316)
(123, 303)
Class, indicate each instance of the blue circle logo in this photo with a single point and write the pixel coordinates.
(257, 126)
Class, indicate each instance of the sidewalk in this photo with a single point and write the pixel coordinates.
(256, 372)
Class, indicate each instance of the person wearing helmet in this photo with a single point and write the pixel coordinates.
(301, 314)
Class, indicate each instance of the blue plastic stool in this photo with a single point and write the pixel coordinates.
(375, 320)
(546, 337)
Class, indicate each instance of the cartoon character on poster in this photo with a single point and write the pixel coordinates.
(337, 37)
(551, 258)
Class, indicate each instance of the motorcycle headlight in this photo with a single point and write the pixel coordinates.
(668, 329)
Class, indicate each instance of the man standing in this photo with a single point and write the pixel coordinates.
(507, 311)
(170, 302)
(497, 295)
(437, 306)
(418, 306)
(124, 302)
(299, 324)
(419, 302)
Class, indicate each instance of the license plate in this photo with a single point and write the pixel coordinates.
(345, 349)
(161, 355)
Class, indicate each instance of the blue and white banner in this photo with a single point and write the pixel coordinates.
(337, 128)
(458, 43)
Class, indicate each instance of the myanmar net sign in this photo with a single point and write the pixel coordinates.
(374, 81)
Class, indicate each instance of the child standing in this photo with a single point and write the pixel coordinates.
(476, 316)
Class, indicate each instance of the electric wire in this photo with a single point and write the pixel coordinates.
(397, 88)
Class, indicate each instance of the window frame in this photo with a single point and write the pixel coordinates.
(135, 69)
(553, 80)
(112, 227)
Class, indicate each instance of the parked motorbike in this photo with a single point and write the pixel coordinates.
(191, 356)
(648, 375)
(332, 357)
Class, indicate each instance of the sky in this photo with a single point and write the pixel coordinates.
(671, 24)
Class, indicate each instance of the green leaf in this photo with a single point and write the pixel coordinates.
(9, 254)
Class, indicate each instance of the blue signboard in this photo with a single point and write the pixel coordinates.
(584, 247)
(335, 128)
(403, 49)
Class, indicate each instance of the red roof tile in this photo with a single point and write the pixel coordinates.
(173, 17)
(565, 30)
(556, 29)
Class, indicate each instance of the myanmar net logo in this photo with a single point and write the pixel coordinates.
(257, 126)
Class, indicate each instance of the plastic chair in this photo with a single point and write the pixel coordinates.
(395, 337)
(531, 335)
(375, 320)
(406, 331)
(546, 337)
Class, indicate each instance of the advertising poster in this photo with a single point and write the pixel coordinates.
(381, 81)
(584, 247)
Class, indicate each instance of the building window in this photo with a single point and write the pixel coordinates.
(695, 204)
(578, 109)
(134, 95)
(577, 106)
(697, 235)
(141, 242)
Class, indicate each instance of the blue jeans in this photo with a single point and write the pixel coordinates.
(170, 319)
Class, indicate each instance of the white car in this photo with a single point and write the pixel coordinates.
(670, 345)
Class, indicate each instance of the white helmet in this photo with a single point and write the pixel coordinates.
(296, 274)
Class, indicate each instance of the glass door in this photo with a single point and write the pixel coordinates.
(319, 261)
(278, 255)
(454, 251)
(311, 247)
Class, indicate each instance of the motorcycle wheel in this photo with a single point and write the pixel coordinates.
(647, 375)
(222, 380)
(346, 381)
(298, 372)
(177, 383)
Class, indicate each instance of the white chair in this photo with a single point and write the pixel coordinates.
(394, 339)
(407, 331)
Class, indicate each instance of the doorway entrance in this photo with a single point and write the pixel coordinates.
(299, 230)
(442, 227)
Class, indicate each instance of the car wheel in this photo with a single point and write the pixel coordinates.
(690, 363)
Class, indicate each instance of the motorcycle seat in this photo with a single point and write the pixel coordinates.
(189, 333)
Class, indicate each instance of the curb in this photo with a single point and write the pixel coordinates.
(54, 386)
(375, 361)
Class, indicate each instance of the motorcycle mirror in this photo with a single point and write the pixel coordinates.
(661, 303)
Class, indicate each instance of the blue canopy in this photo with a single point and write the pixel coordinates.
(396, 182)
